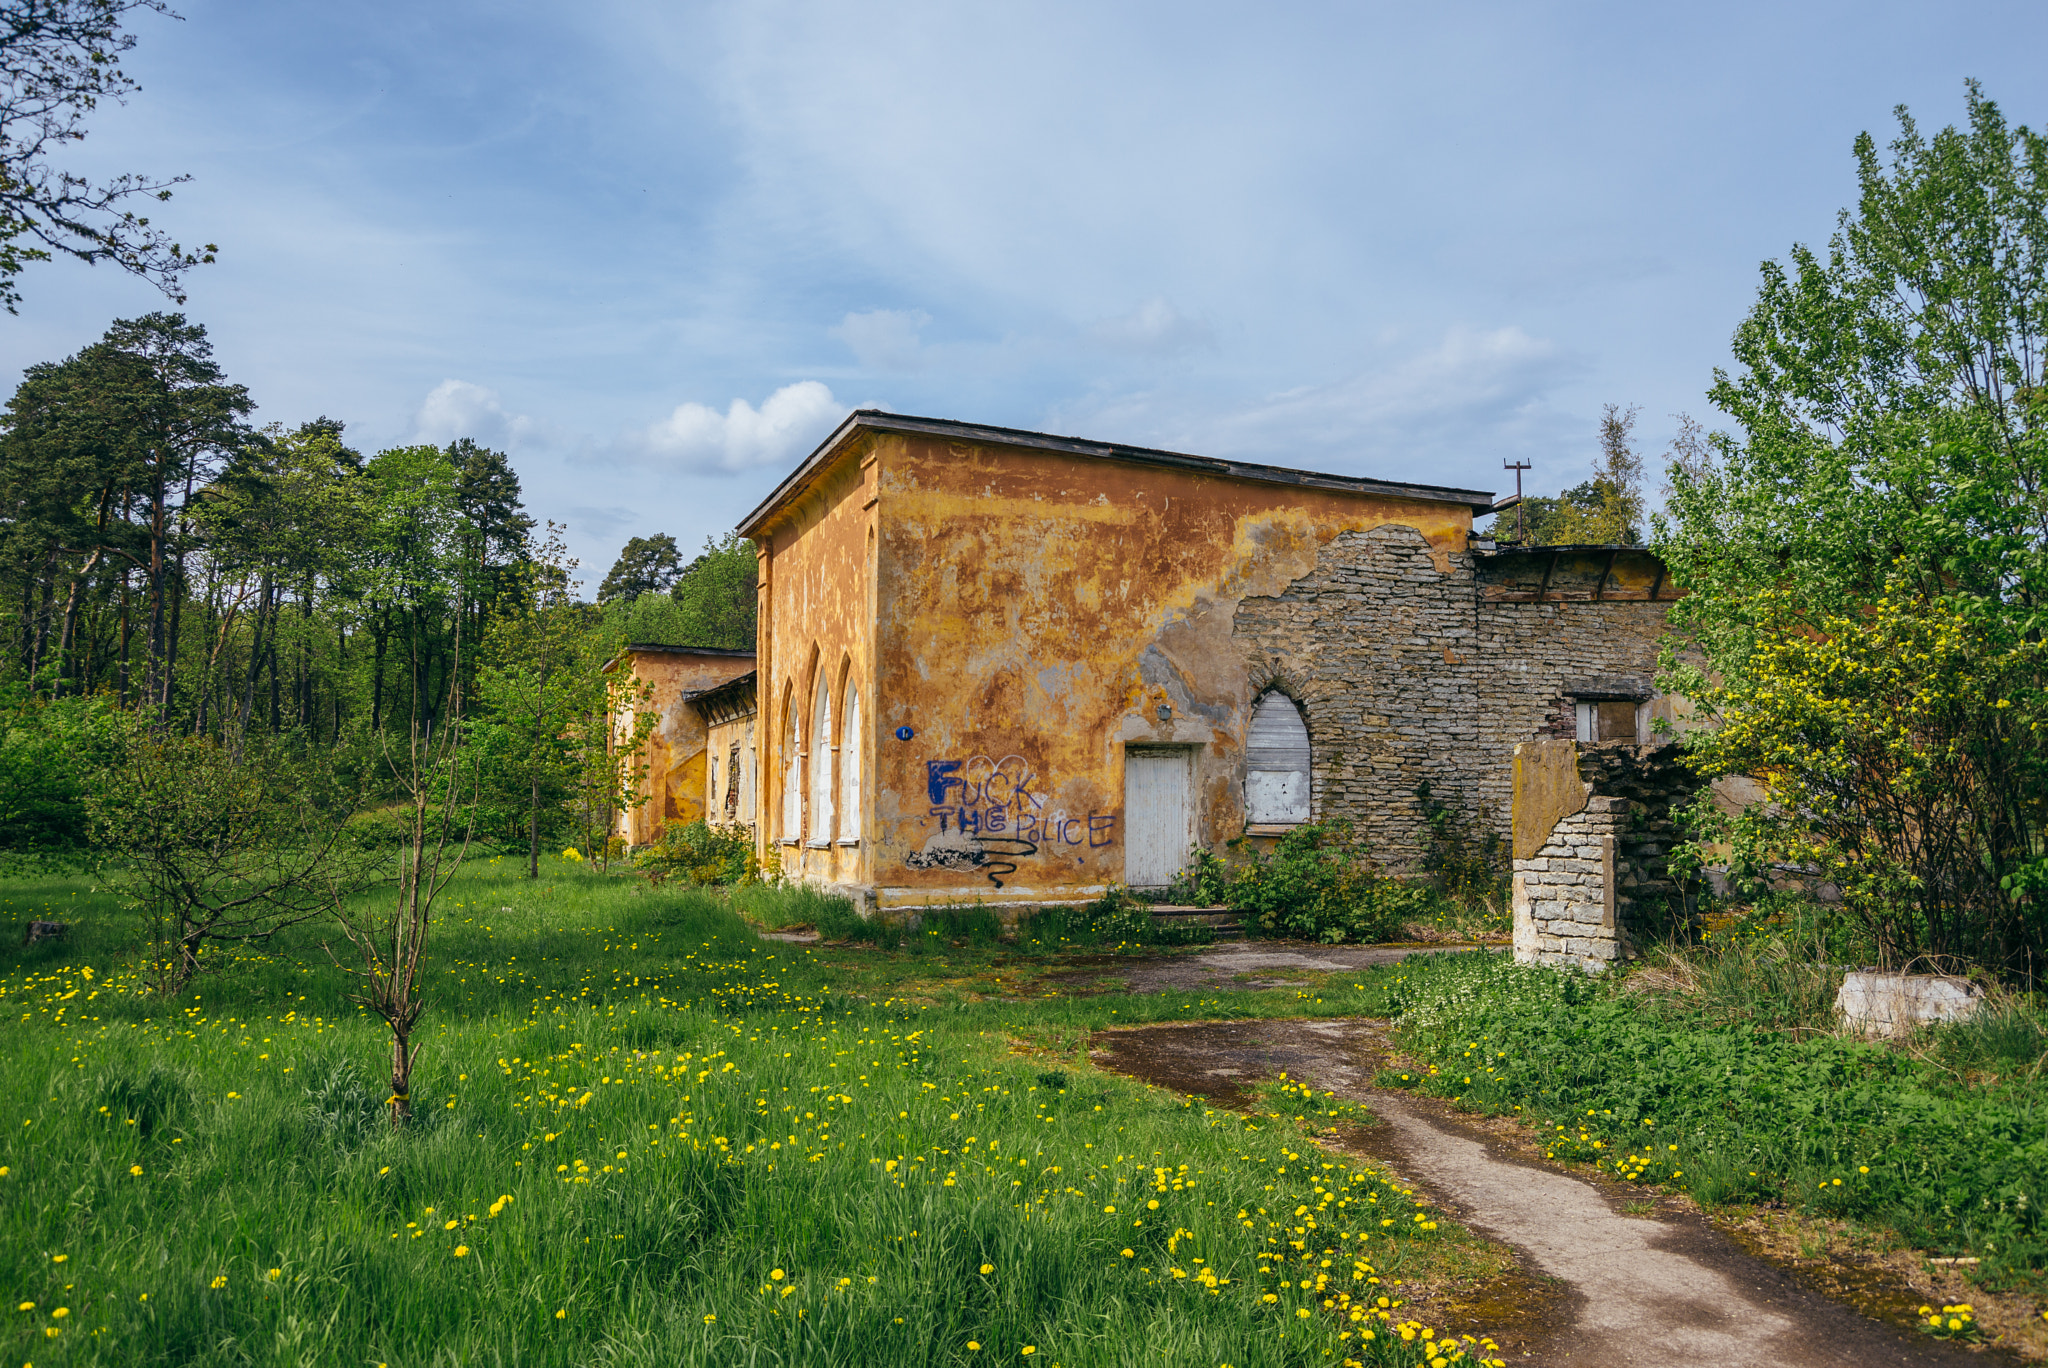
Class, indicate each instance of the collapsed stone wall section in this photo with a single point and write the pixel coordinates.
(1585, 887)
(1564, 894)
(1407, 674)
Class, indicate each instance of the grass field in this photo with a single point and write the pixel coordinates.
(647, 1136)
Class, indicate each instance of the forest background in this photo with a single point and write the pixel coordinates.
(167, 567)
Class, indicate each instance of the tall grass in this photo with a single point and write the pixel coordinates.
(644, 1136)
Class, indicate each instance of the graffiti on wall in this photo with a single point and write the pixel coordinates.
(991, 814)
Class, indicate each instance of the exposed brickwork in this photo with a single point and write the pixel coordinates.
(1652, 780)
(1565, 911)
(1407, 672)
(1600, 871)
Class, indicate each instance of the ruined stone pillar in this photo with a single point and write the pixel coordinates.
(1567, 860)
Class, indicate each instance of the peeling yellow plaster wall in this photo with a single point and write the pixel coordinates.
(817, 572)
(673, 779)
(1035, 610)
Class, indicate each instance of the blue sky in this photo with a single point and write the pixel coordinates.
(655, 251)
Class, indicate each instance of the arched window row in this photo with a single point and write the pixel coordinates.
(829, 806)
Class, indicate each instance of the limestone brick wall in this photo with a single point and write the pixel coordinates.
(1651, 780)
(1407, 674)
(1564, 895)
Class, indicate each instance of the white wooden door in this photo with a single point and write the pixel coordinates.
(1158, 818)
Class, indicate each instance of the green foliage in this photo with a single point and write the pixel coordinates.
(1867, 559)
(1605, 510)
(1303, 1103)
(647, 565)
(61, 60)
(1317, 883)
(1700, 1087)
(653, 1023)
(1464, 856)
(717, 594)
(699, 853)
(51, 753)
(652, 619)
(224, 844)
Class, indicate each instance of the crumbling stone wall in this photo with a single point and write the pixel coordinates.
(1408, 671)
(1593, 832)
(1564, 894)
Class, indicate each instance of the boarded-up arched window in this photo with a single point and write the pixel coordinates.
(821, 764)
(792, 774)
(1276, 762)
(849, 766)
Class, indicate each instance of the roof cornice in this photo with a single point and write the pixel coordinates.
(875, 420)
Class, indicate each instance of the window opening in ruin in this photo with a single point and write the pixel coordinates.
(1608, 719)
(1276, 789)
(792, 777)
(849, 769)
(821, 764)
(732, 784)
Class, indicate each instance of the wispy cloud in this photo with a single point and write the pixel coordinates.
(1444, 413)
(1154, 328)
(885, 339)
(699, 438)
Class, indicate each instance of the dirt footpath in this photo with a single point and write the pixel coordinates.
(1655, 1289)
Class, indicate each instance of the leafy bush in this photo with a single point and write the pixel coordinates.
(701, 854)
(50, 752)
(1317, 883)
(1464, 855)
(1117, 919)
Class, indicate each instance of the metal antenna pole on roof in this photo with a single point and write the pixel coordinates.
(1518, 467)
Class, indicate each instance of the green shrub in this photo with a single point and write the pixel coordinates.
(701, 854)
(1318, 883)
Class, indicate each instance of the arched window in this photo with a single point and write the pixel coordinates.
(821, 763)
(849, 766)
(1276, 762)
(792, 774)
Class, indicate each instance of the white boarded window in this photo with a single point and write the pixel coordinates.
(849, 767)
(1276, 762)
(821, 763)
(792, 777)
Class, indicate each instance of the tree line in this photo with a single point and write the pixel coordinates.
(168, 566)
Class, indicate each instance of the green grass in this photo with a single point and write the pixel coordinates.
(1727, 1081)
(647, 1136)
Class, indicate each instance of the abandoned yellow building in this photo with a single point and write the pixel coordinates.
(1004, 666)
(673, 757)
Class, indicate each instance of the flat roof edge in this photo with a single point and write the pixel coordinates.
(731, 651)
(878, 421)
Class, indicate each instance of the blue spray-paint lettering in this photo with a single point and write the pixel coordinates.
(991, 815)
(942, 776)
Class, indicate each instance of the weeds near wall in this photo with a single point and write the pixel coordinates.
(1318, 883)
(700, 854)
(1464, 855)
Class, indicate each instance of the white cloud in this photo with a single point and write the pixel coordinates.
(1154, 328)
(456, 408)
(884, 339)
(792, 420)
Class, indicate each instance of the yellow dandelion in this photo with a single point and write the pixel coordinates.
(462, 1251)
